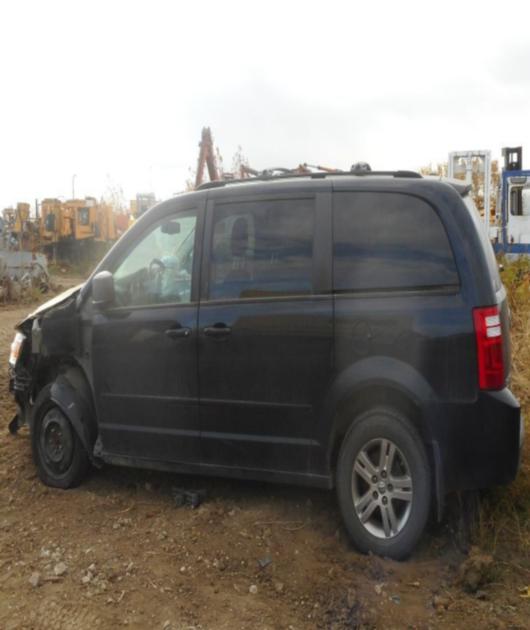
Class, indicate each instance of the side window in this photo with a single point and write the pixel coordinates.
(158, 269)
(389, 241)
(262, 249)
(519, 201)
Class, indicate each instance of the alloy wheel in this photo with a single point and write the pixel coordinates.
(382, 488)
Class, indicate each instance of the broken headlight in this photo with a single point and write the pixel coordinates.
(16, 347)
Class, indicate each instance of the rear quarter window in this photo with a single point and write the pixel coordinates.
(389, 241)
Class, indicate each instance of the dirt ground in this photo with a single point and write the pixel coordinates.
(118, 552)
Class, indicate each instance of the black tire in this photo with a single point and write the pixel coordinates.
(60, 458)
(371, 435)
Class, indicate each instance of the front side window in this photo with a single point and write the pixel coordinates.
(389, 241)
(158, 270)
(262, 249)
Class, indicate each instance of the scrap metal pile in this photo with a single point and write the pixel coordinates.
(22, 273)
(22, 268)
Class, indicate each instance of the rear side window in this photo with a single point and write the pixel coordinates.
(389, 241)
(262, 249)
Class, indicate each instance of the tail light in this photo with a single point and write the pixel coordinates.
(488, 332)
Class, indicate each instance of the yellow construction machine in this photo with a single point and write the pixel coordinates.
(69, 229)
(81, 214)
(52, 226)
(105, 226)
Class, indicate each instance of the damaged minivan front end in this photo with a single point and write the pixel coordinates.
(46, 342)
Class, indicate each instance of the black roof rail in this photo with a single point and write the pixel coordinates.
(264, 177)
(412, 174)
(216, 184)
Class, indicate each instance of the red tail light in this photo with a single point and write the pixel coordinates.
(488, 332)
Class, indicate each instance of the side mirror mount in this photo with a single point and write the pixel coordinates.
(102, 289)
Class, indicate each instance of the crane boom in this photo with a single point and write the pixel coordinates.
(206, 158)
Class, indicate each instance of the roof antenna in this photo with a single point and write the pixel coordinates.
(360, 167)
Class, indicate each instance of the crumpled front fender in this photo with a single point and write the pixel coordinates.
(74, 407)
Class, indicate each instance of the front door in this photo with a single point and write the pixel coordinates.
(145, 346)
(265, 332)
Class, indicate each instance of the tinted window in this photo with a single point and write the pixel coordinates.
(158, 269)
(262, 249)
(389, 241)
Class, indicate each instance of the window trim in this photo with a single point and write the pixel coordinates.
(211, 206)
(266, 299)
(441, 289)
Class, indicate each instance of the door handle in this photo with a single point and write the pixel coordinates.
(178, 333)
(218, 330)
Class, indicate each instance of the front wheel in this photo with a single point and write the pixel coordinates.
(383, 484)
(61, 460)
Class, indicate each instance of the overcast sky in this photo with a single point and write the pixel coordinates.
(117, 92)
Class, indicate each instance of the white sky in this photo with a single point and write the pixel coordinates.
(117, 91)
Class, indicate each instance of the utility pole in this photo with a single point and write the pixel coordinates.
(73, 185)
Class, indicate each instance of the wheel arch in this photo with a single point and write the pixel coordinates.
(384, 382)
(70, 390)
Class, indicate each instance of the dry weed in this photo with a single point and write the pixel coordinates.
(505, 512)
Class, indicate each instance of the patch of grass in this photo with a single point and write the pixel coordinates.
(505, 512)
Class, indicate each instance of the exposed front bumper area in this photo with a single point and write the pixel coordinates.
(480, 443)
(20, 383)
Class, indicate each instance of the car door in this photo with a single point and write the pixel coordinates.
(144, 345)
(265, 330)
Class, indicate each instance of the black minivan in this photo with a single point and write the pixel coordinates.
(342, 330)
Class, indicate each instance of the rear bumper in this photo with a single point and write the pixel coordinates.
(480, 444)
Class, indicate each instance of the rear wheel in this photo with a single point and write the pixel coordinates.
(61, 459)
(383, 484)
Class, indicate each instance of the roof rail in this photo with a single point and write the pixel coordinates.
(264, 177)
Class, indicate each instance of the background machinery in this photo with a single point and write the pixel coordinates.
(507, 219)
(19, 232)
(210, 160)
(69, 230)
(513, 237)
(22, 265)
(207, 158)
(474, 167)
(141, 204)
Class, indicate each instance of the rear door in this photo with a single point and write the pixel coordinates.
(265, 330)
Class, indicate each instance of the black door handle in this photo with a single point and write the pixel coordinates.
(178, 333)
(218, 330)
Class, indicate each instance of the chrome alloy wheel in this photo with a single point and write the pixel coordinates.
(382, 488)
